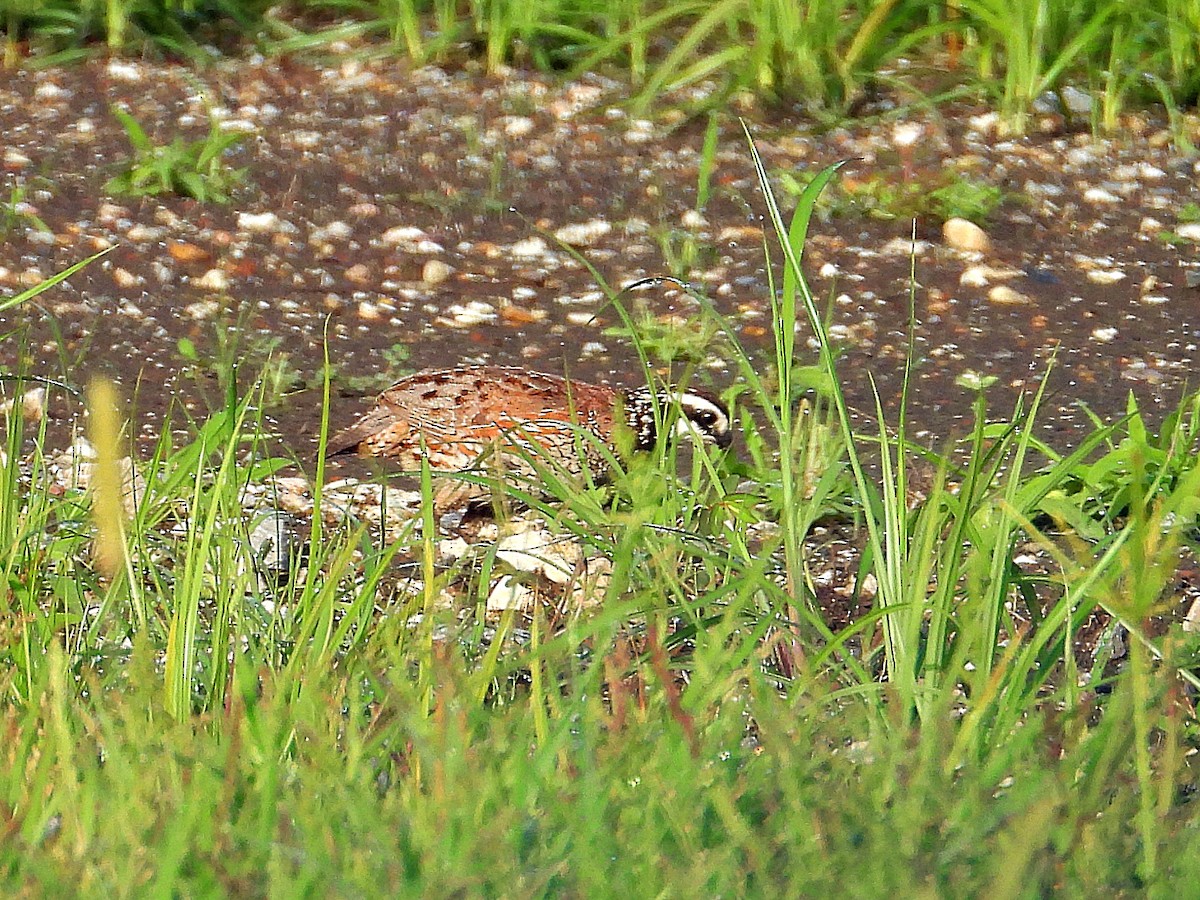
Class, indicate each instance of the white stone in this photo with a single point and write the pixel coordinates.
(529, 248)
(583, 234)
(518, 126)
(965, 235)
(258, 223)
(119, 70)
(982, 276)
(509, 594)
(537, 551)
(435, 272)
(476, 312)
(1104, 335)
(1003, 295)
(402, 234)
(904, 247)
(212, 280)
(202, 309)
(1100, 197)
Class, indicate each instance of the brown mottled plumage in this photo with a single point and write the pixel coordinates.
(457, 418)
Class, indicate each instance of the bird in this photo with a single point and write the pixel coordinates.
(459, 418)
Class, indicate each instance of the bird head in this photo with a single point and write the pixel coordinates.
(701, 416)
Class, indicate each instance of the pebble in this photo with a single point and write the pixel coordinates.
(140, 234)
(540, 552)
(518, 126)
(965, 235)
(258, 223)
(402, 234)
(1100, 197)
(33, 405)
(183, 252)
(1105, 335)
(202, 309)
(510, 594)
(126, 279)
(1191, 620)
(212, 280)
(529, 248)
(1189, 231)
(120, 70)
(1003, 295)
(466, 315)
(436, 272)
(583, 234)
(1105, 276)
(334, 231)
(640, 131)
(904, 247)
(982, 276)
(359, 274)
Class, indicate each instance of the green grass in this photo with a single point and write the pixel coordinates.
(196, 169)
(175, 724)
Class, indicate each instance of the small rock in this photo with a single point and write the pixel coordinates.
(539, 551)
(334, 231)
(965, 235)
(435, 272)
(1100, 197)
(640, 131)
(1105, 276)
(583, 234)
(905, 134)
(518, 126)
(212, 280)
(510, 594)
(904, 247)
(202, 309)
(126, 279)
(187, 253)
(258, 223)
(144, 233)
(468, 315)
(74, 468)
(33, 405)
(1189, 231)
(452, 549)
(1105, 335)
(982, 276)
(275, 545)
(359, 274)
(119, 70)
(529, 248)
(402, 234)
(1078, 103)
(1191, 620)
(1003, 295)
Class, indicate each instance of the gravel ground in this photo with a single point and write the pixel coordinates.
(377, 218)
(376, 211)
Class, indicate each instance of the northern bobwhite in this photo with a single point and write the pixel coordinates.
(458, 418)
